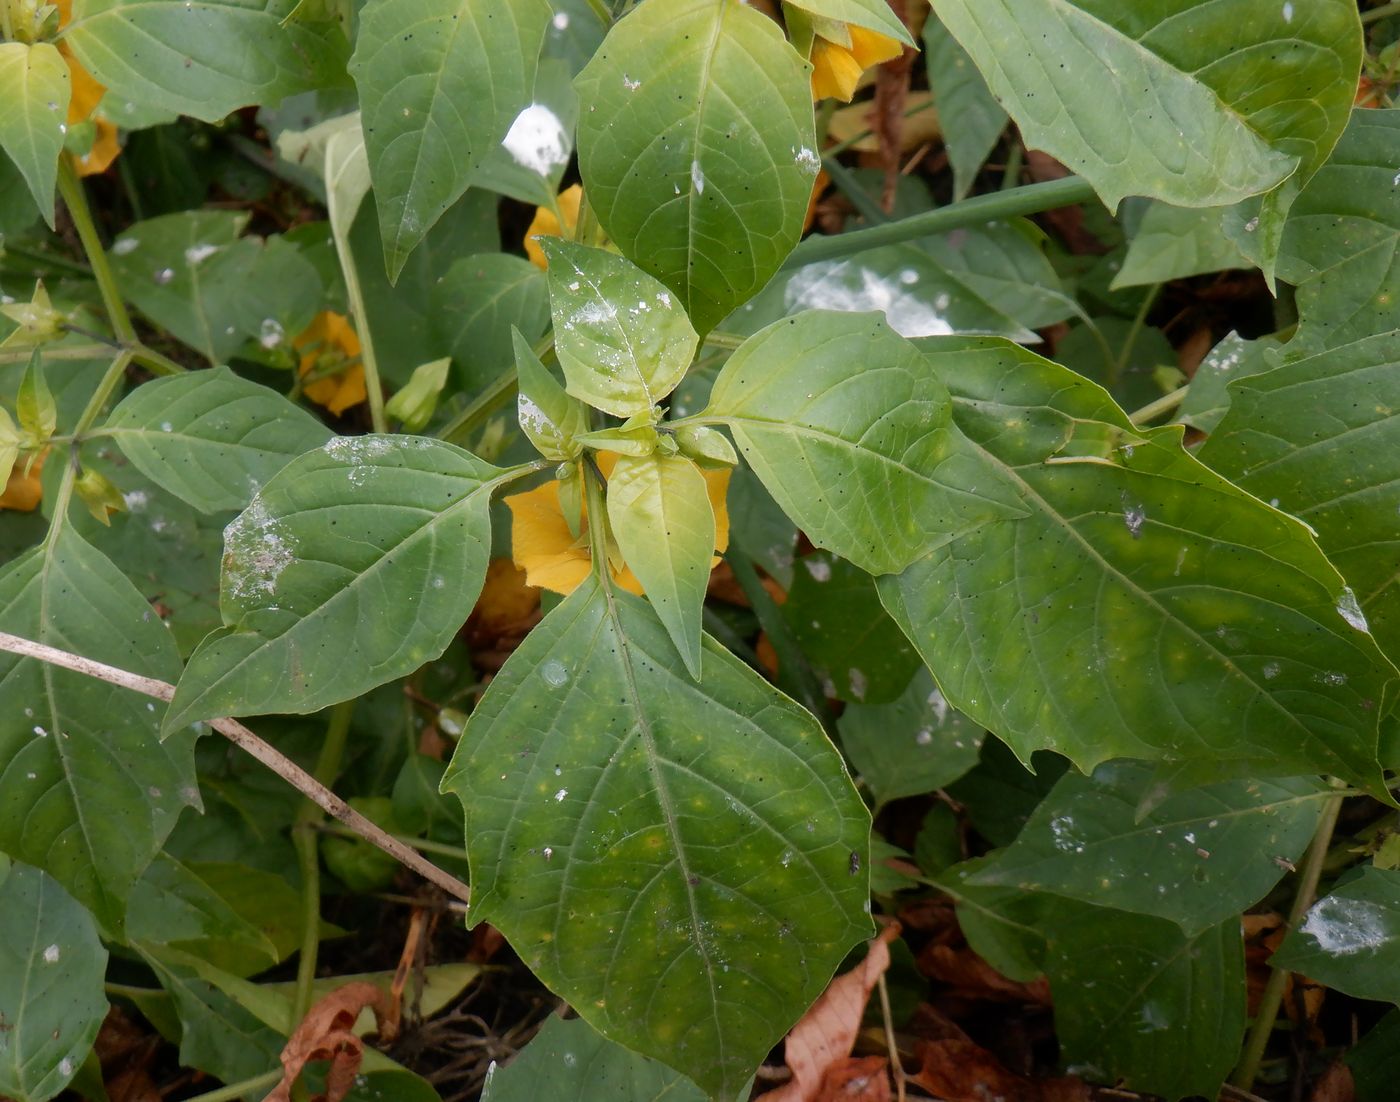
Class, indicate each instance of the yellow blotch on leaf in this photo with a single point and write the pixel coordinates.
(553, 559)
(548, 224)
(327, 342)
(837, 69)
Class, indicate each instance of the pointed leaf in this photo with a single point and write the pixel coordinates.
(1204, 625)
(52, 964)
(848, 430)
(548, 416)
(698, 148)
(440, 83)
(968, 114)
(659, 511)
(1350, 939)
(211, 438)
(87, 791)
(623, 835)
(1175, 242)
(621, 339)
(353, 566)
(35, 88)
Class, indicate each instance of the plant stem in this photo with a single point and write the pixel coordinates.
(235, 1091)
(75, 199)
(1158, 406)
(62, 352)
(356, 296)
(1272, 998)
(1380, 12)
(1011, 175)
(50, 260)
(1017, 201)
(156, 362)
(1134, 331)
(245, 740)
(423, 845)
(849, 186)
(309, 818)
(600, 9)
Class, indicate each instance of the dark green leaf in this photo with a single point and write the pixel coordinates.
(1350, 939)
(968, 114)
(477, 303)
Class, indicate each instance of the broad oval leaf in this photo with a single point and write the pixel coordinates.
(1197, 858)
(52, 964)
(35, 88)
(1350, 939)
(1198, 104)
(87, 791)
(624, 835)
(203, 57)
(659, 511)
(698, 149)
(440, 83)
(211, 438)
(1200, 623)
(353, 566)
(849, 431)
(621, 339)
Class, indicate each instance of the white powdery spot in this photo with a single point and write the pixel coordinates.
(561, 21)
(843, 285)
(533, 419)
(808, 161)
(1350, 610)
(859, 684)
(257, 551)
(537, 140)
(196, 254)
(135, 500)
(51, 954)
(630, 84)
(1345, 926)
(820, 569)
(1066, 840)
(938, 705)
(65, 1067)
(1134, 517)
(561, 795)
(1288, 13)
(124, 245)
(271, 333)
(697, 178)
(357, 449)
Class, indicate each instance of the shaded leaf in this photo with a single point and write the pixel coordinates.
(1233, 358)
(477, 302)
(1175, 242)
(969, 115)
(1350, 939)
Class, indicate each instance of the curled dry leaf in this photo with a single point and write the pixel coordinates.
(961, 1071)
(819, 1044)
(328, 1033)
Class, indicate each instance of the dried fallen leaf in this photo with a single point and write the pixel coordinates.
(1336, 1085)
(962, 1071)
(822, 1039)
(972, 977)
(856, 1079)
(327, 1033)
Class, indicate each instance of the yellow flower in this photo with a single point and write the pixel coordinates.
(86, 94)
(836, 69)
(24, 490)
(553, 559)
(329, 345)
(547, 224)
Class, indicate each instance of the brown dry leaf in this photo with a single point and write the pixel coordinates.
(823, 1037)
(961, 1071)
(856, 1079)
(1336, 1085)
(1068, 222)
(506, 609)
(918, 128)
(1193, 350)
(972, 977)
(328, 1033)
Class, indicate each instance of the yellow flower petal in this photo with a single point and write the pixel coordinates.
(105, 148)
(835, 71)
(547, 224)
(872, 47)
(332, 332)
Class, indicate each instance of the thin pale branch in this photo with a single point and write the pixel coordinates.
(245, 740)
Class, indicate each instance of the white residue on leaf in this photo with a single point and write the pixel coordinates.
(271, 333)
(630, 84)
(844, 285)
(807, 161)
(1350, 610)
(820, 569)
(1152, 1018)
(1343, 926)
(51, 954)
(561, 795)
(1271, 670)
(124, 245)
(537, 140)
(135, 500)
(532, 419)
(163, 275)
(1288, 12)
(938, 705)
(697, 178)
(561, 21)
(858, 682)
(1252, 224)
(1134, 517)
(65, 1067)
(1066, 840)
(356, 450)
(257, 550)
(554, 673)
(196, 254)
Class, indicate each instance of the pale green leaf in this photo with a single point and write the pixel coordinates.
(622, 340)
(211, 438)
(623, 835)
(548, 416)
(968, 114)
(355, 565)
(874, 15)
(35, 88)
(697, 149)
(1176, 242)
(98, 791)
(849, 431)
(1196, 858)
(572, 1060)
(52, 965)
(440, 83)
(204, 58)
(659, 512)
(1350, 939)
(1198, 623)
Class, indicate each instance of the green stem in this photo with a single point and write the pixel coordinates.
(1272, 998)
(95, 405)
(156, 362)
(730, 341)
(1011, 175)
(308, 821)
(600, 9)
(75, 199)
(849, 186)
(460, 428)
(422, 845)
(1018, 201)
(62, 352)
(1154, 409)
(1134, 331)
(235, 1091)
(1380, 12)
(593, 486)
(378, 422)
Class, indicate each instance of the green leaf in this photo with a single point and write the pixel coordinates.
(698, 149)
(211, 438)
(968, 114)
(837, 620)
(1176, 242)
(35, 88)
(623, 835)
(204, 58)
(547, 415)
(192, 274)
(1318, 438)
(1350, 939)
(912, 745)
(1375, 1060)
(849, 431)
(35, 406)
(1000, 794)
(415, 402)
(1341, 244)
(1197, 105)
(440, 83)
(52, 965)
(659, 512)
(1201, 624)
(355, 565)
(874, 15)
(572, 1060)
(530, 161)
(1233, 358)
(1004, 264)
(1196, 858)
(621, 339)
(81, 757)
(477, 303)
